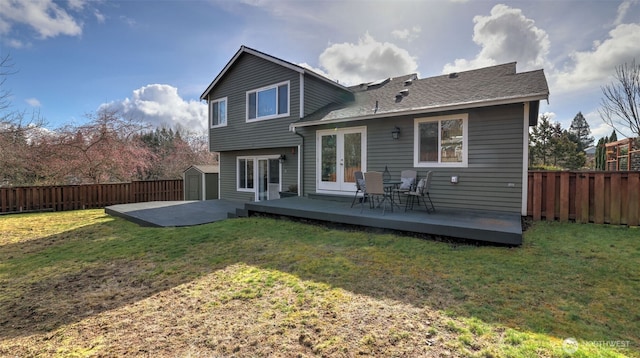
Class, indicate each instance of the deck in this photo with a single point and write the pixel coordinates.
(495, 227)
(174, 213)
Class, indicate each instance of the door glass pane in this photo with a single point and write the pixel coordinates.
(263, 185)
(451, 141)
(274, 171)
(328, 158)
(352, 156)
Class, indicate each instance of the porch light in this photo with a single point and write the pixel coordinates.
(282, 158)
(395, 134)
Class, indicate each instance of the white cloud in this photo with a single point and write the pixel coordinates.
(623, 8)
(33, 102)
(505, 35)
(314, 69)
(597, 126)
(44, 16)
(407, 34)
(76, 4)
(368, 60)
(99, 16)
(593, 68)
(161, 105)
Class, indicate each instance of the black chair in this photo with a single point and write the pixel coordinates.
(360, 187)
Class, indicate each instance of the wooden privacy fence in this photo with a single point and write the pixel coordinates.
(87, 196)
(595, 196)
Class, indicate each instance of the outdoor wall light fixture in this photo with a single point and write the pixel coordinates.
(282, 158)
(395, 134)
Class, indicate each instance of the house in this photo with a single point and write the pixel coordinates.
(276, 124)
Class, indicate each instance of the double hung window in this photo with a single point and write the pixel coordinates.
(218, 112)
(268, 102)
(441, 141)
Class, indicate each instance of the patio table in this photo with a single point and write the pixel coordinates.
(389, 185)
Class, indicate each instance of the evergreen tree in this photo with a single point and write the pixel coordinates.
(613, 137)
(601, 153)
(580, 128)
(540, 141)
(550, 145)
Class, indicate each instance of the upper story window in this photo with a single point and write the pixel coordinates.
(218, 113)
(441, 141)
(268, 102)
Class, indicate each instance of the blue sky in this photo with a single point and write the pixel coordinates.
(153, 59)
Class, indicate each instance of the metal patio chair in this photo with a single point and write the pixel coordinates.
(421, 191)
(408, 182)
(375, 189)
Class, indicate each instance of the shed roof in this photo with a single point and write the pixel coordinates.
(206, 169)
(407, 95)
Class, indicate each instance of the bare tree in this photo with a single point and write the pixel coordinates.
(106, 149)
(621, 102)
(14, 121)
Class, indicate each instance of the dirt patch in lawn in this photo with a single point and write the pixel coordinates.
(243, 311)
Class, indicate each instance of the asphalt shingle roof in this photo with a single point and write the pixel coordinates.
(475, 87)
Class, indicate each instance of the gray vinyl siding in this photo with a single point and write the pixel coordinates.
(318, 94)
(228, 171)
(495, 158)
(248, 73)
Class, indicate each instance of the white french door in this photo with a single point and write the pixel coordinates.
(260, 176)
(340, 153)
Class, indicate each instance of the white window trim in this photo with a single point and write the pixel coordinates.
(465, 138)
(223, 99)
(254, 161)
(277, 115)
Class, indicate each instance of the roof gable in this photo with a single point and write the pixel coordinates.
(243, 49)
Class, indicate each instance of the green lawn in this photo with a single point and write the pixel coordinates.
(83, 284)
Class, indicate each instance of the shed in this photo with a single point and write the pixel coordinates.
(201, 182)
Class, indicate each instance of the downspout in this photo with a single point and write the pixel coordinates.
(300, 162)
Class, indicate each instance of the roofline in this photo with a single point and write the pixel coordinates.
(267, 57)
(428, 109)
